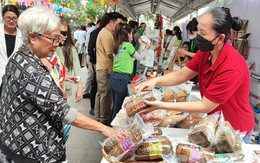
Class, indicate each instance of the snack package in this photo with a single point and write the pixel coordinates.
(192, 153)
(226, 157)
(204, 132)
(157, 131)
(171, 118)
(189, 121)
(181, 96)
(154, 117)
(154, 148)
(168, 95)
(136, 103)
(224, 141)
(123, 144)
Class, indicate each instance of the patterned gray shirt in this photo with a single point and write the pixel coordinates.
(32, 109)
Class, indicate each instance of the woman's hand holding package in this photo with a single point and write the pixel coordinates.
(145, 86)
(152, 105)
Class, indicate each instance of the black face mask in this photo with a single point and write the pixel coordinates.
(64, 33)
(203, 44)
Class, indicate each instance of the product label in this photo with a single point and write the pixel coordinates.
(127, 144)
(195, 156)
(121, 135)
(155, 148)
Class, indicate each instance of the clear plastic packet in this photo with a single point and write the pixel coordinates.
(122, 145)
(186, 152)
(154, 148)
(225, 158)
(154, 117)
(172, 118)
(136, 103)
(226, 139)
(203, 133)
(189, 121)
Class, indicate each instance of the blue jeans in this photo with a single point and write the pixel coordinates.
(118, 84)
(247, 138)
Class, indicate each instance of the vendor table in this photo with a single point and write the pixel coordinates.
(247, 149)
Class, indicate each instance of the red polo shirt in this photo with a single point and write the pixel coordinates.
(226, 82)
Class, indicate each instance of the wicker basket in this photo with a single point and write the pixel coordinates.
(107, 157)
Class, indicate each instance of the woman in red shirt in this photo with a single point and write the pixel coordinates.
(223, 74)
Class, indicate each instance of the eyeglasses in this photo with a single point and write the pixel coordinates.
(55, 41)
(9, 19)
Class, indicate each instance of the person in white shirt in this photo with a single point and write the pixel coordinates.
(81, 35)
(75, 35)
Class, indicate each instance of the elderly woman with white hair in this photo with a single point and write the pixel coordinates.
(32, 105)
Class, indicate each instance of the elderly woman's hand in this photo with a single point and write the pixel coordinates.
(107, 131)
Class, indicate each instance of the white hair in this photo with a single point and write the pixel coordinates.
(37, 20)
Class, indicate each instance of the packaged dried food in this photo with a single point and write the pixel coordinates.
(226, 157)
(204, 132)
(168, 95)
(123, 144)
(136, 103)
(154, 117)
(181, 96)
(192, 153)
(172, 117)
(157, 131)
(154, 148)
(189, 121)
(224, 141)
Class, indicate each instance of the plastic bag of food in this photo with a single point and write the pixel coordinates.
(133, 104)
(226, 140)
(189, 121)
(192, 153)
(154, 117)
(226, 157)
(181, 96)
(123, 144)
(154, 148)
(204, 132)
(168, 95)
(172, 117)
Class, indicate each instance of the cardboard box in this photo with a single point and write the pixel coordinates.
(245, 23)
(242, 47)
(255, 98)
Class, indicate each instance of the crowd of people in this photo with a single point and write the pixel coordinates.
(40, 62)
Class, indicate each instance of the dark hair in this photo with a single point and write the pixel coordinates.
(142, 23)
(178, 32)
(188, 44)
(223, 21)
(90, 24)
(67, 46)
(192, 25)
(121, 34)
(83, 27)
(115, 15)
(133, 24)
(124, 19)
(104, 20)
(169, 32)
(98, 21)
(11, 8)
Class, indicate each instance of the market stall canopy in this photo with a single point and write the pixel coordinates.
(174, 9)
